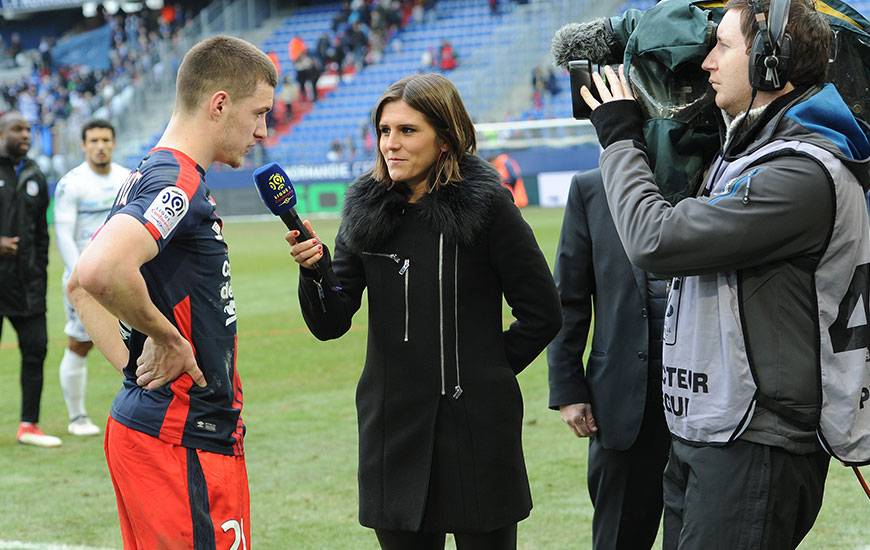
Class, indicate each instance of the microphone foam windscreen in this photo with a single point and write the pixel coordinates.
(587, 40)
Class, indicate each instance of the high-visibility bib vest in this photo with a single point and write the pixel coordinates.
(708, 385)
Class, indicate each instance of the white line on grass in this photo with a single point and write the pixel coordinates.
(20, 545)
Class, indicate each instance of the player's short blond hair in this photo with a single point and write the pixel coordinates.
(222, 63)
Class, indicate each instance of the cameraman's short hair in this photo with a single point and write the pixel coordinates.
(97, 123)
(810, 32)
(222, 63)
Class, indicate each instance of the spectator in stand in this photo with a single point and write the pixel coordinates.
(295, 48)
(356, 42)
(539, 83)
(368, 141)
(417, 11)
(375, 52)
(341, 17)
(427, 61)
(307, 71)
(447, 58)
(273, 57)
(430, 14)
(336, 151)
(14, 47)
(393, 14)
(338, 55)
(350, 148)
(288, 95)
(323, 50)
(168, 13)
(359, 13)
(493, 7)
(552, 82)
(45, 45)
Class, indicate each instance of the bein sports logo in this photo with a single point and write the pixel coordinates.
(167, 210)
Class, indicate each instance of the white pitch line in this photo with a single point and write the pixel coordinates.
(20, 545)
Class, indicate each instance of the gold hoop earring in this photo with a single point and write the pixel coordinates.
(439, 179)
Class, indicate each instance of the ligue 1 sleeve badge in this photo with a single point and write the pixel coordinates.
(32, 188)
(167, 210)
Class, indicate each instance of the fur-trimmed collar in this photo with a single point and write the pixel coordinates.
(372, 212)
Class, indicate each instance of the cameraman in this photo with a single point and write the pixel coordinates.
(763, 260)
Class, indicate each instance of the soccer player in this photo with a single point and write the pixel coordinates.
(174, 438)
(83, 198)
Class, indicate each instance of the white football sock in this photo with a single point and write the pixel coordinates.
(73, 379)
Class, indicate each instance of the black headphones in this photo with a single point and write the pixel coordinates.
(770, 56)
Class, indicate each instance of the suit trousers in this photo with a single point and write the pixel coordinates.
(626, 485)
(504, 538)
(33, 344)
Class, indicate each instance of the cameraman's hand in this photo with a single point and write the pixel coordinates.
(619, 88)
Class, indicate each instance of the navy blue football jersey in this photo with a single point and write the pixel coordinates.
(189, 282)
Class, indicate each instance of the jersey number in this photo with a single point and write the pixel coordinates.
(238, 532)
(851, 330)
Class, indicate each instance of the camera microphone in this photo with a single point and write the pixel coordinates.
(279, 196)
(592, 40)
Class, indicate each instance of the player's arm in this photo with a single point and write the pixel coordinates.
(101, 325)
(108, 272)
(65, 213)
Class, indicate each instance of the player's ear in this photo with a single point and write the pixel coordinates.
(217, 104)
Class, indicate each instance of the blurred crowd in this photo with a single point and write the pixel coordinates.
(56, 99)
(361, 30)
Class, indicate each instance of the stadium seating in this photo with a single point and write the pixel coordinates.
(466, 24)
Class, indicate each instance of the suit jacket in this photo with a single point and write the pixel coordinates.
(593, 271)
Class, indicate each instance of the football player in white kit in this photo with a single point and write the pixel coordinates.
(83, 199)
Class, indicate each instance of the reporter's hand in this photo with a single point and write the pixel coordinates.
(619, 88)
(305, 253)
(161, 364)
(8, 246)
(578, 417)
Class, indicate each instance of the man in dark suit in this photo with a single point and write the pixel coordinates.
(617, 401)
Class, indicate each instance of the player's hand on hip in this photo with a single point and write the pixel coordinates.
(160, 364)
(8, 246)
(305, 253)
(618, 89)
(578, 417)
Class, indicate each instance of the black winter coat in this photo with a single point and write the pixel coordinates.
(439, 408)
(23, 206)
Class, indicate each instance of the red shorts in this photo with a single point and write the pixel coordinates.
(172, 497)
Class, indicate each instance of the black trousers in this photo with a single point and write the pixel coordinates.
(744, 495)
(626, 486)
(500, 539)
(33, 343)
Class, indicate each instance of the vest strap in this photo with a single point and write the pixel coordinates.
(803, 421)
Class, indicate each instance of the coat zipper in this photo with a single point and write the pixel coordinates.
(441, 306)
(320, 294)
(404, 272)
(457, 391)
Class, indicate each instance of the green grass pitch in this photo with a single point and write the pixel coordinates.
(302, 440)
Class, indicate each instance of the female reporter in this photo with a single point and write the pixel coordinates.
(437, 241)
